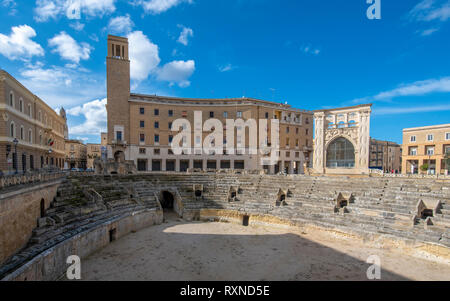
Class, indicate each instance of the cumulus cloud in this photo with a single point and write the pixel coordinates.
(177, 72)
(418, 88)
(77, 26)
(145, 60)
(185, 34)
(144, 55)
(159, 6)
(94, 113)
(120, 25)
(18, 45)
(51, 9)
(69, 49)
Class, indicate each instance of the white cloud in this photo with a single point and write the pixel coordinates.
(63, 86)
(226, 68)
(94, 113)
(11, 5)
(431, 10)
(418, 88)
(159, 6)
(77, 26)
(69, 49)
(144, 55)
(310, 50)
(120, 25)
(18, 45)
(410, 110)
(184, 35)
(428, 11)
(144, 60)
(177, 72)
(51, 9)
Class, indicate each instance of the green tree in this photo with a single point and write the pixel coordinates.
(424, 167)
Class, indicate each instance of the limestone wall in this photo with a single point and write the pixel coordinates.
(20, 208)
(51, 264)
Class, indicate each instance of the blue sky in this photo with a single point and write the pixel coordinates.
(312, 54)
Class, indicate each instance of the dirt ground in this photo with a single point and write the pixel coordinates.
(186, 251)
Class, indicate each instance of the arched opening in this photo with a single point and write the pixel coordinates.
(167, 201)
(119, 156)
(341, 154)
(42, 208)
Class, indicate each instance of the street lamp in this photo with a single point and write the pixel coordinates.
(15, 141)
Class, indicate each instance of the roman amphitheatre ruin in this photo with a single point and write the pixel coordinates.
(226, 225)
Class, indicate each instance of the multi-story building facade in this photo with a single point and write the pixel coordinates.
(32, 134)
(76, 154)
(104, 139)
(426, 147)
(385, 156)
(94, 151)
(140, 126)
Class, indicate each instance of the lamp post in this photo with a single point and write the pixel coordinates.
(15, 141)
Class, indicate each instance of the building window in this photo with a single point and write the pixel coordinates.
(11, 99)
(447, 136)
(430, 137)
(211, 114)
(307, 131)
(156, 112)
(142, 151)
(142, 137)
(184, 114)
(21, 105)
(39, 116)
(296, 142)
(430, 151)
(21, 133)
(156, 125)
(287, 130)
(12, 130)
(225, 114)
(157, 151)
(170, 113)
(170, 126)
(307, 120)
(351, 123)
(239, 114)
(412, 139)
(341, 124)
(267, 115)
(142, 124)
(287, 142)
(30, 137)
(142, 111)
(170, 138)
(413, 151)
(29, 111)
(156, 138)
(119, 136)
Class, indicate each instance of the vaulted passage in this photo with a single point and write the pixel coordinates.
(167, 200)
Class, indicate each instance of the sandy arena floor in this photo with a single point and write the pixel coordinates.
(178, 250)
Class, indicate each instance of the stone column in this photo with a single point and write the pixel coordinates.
(163, 165)
(177, 165)
(319, 139)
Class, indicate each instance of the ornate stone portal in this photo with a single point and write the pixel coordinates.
(342, 140)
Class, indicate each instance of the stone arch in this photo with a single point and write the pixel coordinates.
(340, 152)
(173, 196)
(119, 157)
(281, 198)
(233, 194)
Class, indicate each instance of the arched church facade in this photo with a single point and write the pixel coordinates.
(342, 140)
